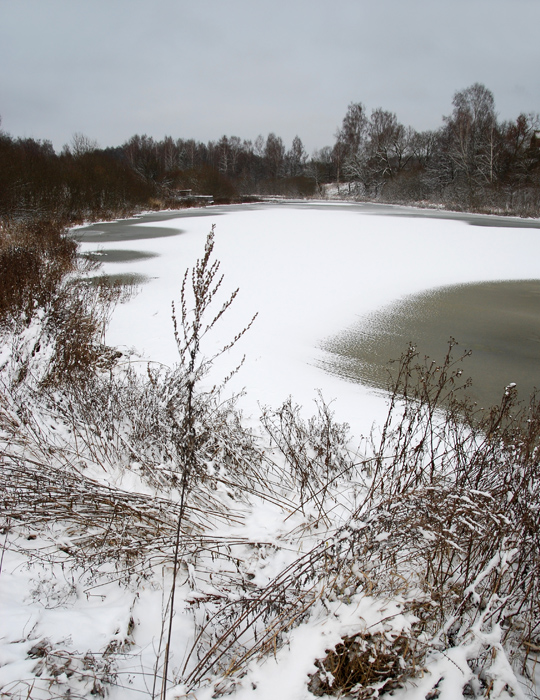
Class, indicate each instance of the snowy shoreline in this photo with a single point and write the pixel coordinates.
(294, 542)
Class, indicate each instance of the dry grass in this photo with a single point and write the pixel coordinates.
(35, 256)
(366, 665)
(448, 516)
(443, 511)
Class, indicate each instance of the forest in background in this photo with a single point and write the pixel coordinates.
(473, 162)
(432, 524)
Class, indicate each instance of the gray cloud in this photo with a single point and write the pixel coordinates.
(118, 67)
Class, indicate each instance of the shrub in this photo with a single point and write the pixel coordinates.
(34, 258)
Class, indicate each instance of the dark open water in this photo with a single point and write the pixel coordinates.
(498, 321)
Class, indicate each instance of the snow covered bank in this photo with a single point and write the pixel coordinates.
(305, 567)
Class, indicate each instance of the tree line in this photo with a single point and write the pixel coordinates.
(473, 161)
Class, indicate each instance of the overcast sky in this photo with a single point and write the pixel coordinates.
(204, 68)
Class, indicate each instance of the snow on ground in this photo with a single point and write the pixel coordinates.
(309, 272)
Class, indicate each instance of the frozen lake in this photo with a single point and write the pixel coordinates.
(320, 271)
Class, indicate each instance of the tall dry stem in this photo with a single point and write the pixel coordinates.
(195, 322)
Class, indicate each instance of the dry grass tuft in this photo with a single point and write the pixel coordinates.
(365, 665)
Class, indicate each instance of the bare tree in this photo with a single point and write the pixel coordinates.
(81, 144)
(320, 166)
(274, 155)
(258, 146)
(354, 128)
(472, 133)
(296, 158)
(350, 141)
(388, 147)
